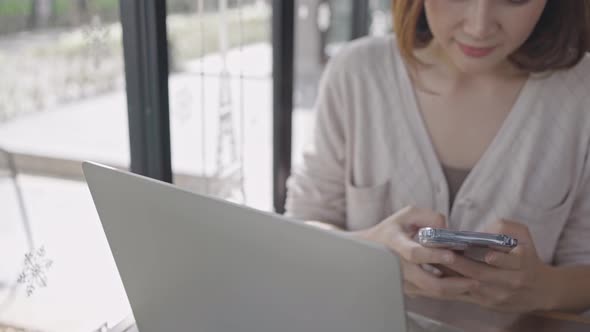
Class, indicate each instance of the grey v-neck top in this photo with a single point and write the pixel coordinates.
(371, 155)
(455, 178)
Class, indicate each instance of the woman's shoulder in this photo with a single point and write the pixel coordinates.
(367, 45)
(567, 92)
(575, 80)
(366, 53)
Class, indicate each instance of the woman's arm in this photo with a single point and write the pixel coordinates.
(324, 225)
(569, 287)
(316, 188)
(570, 275)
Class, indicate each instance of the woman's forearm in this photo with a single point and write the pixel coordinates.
(323, 225)
(570, 287)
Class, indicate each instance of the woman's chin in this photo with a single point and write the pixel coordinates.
(477, 67)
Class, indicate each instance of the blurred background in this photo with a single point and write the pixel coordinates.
(192, 92)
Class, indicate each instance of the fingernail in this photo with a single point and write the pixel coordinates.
(490, 258)
(436, 272)
(448, 258)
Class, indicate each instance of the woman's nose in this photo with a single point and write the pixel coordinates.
(480, 22)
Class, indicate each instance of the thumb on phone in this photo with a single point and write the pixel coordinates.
(413, 218)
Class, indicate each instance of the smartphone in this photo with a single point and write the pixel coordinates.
(474, 245)
(461, 240)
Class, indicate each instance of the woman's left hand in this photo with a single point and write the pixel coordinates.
(517, 281)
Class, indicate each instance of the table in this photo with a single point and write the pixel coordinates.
(473, 318)
(470, 318)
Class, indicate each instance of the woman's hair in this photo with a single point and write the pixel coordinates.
(559, 41)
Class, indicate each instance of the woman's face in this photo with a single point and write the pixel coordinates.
(477, 36)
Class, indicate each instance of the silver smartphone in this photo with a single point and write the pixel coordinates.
(461, 240)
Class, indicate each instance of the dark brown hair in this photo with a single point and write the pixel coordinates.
(559, 41)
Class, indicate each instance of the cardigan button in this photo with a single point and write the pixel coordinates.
(467, 202)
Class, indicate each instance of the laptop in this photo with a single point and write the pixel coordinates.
(190, 262)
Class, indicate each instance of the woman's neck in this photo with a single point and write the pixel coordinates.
(437, 63)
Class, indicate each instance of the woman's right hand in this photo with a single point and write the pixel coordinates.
(397, 233)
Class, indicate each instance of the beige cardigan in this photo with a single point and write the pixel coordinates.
(371, 155)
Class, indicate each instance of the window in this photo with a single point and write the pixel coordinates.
(322, 28)
(62, 101)
(220, 87)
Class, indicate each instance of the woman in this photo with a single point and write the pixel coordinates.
(476, 116)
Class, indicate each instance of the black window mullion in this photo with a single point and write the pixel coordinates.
(146, 74)
(283, 46)
(359, 19)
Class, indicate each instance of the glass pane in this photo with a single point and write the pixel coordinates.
(316, 42)
(322, 27)
(221, 98)
(62, 101)
(340, 28)
(380, 19)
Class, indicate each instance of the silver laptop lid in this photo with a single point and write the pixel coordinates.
(194, 263)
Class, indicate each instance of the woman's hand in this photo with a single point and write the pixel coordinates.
(517, 281)
(397, 233)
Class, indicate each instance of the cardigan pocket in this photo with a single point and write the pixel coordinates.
(367, 206)
(545, 226)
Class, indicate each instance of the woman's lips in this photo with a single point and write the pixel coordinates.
(476, 52)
